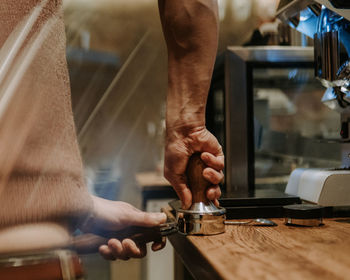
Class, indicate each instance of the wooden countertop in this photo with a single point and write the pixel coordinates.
(281, 252)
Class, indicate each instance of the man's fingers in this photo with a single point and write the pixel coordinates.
(106, 253)
(132, 250)
(213, 176)
(143, 250)
(178, 182)
(216, 202)
(184, 194)
(123, 250)
(213, 192)
(156, 246)
(218, 192)
(117, 249)
(216, 162)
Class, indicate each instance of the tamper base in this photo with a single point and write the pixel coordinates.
(204, 208)
(201, 219)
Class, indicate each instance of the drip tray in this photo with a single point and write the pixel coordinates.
(263, 204)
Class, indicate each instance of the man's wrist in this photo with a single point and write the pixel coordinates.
(186, 120)
(89, 224)
(184, 129)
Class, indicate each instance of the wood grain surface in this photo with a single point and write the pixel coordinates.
(282, 252)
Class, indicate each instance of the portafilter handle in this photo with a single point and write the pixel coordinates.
(196, 181)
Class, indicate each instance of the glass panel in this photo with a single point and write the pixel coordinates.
(293, 128)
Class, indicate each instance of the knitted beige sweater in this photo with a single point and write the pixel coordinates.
(40, 165)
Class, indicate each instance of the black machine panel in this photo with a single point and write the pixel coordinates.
(341, 4)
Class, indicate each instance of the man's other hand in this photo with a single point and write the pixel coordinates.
(180, 145)
(115, 216)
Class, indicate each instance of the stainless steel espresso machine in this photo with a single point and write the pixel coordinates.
(327, 22)
(286, 112)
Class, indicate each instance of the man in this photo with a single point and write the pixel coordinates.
(42, 193)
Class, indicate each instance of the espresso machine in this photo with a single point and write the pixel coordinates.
(328, 23)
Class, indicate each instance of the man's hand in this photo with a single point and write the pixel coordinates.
(116, 215)
(180, 145)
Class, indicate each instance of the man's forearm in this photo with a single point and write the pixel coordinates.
(191, 33)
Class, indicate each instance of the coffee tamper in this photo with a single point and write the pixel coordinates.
(203, 217)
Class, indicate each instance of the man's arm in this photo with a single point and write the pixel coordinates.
(191, 33)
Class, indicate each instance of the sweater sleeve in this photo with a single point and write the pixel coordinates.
(41, 174)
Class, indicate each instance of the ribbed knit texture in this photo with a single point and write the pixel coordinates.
(37, 133)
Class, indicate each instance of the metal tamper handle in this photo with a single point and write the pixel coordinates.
(203, 217)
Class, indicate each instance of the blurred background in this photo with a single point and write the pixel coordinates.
(118, 70)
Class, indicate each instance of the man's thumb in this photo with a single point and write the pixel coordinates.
(145, 219)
